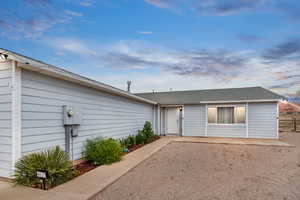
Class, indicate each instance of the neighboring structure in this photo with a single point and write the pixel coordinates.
(237, 112)
(289, 108)
(42, 106)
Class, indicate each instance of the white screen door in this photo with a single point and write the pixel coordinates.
(173, 121)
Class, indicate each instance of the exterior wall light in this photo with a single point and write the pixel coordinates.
(3, 56)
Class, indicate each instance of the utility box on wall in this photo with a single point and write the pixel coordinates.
(72, 115)
(72, 118)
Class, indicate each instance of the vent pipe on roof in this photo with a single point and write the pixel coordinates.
(128, 86)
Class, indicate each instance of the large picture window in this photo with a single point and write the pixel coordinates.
(226, 115)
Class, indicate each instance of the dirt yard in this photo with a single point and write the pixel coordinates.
(214, 172)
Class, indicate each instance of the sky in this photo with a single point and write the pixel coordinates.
(162, 45)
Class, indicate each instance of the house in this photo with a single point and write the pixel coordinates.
(33, 96)
(42, 106)
(235, 112)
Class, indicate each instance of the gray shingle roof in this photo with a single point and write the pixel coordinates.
(212, 95)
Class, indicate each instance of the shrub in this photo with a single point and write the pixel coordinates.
(146, 135)
(140, 138)
(143, 137)
(55, 161)
(148, 132)
(103, 151)
(128, 142)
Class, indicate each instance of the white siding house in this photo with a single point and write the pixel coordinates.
(34, 97)
(261, 122)
(234, 112)
(103, 114)
(194, 120)
(5, 118)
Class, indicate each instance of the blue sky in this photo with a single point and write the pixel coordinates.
(162, 44)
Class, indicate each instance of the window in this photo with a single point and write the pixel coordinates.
(212, 115)
(240, 115)
(226, 115)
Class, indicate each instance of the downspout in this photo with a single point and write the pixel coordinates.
(247, 120)
(182, 121)
(206, 121)
(16, 112)
(277, 120)
(158, 120)
(154, 124)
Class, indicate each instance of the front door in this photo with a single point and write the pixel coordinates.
(173, 121)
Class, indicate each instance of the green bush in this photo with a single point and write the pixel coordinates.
(146, 135)
(55, 161)
(140, 138)
(148, 132)
(128, 142)
(143, 137)
(103, 151)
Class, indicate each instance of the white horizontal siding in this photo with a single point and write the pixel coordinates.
(228, 130)
(231, 130)
(262, 119)
(104, 114)
(5, 119)
(194, 120)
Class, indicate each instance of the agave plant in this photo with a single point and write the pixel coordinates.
(54, 160)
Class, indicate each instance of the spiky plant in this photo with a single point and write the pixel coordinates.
(54, 160)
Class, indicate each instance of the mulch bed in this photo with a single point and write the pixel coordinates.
(87, 166)
(84, 167)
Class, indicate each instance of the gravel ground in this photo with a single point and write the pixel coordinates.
(214, 172)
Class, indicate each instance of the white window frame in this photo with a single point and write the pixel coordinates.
(227, 105)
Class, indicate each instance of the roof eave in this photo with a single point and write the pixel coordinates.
(34, 65)
(242, 101)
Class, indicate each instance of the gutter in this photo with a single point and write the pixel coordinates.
(242, 101)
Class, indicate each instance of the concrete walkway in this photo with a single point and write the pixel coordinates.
(90, 184)
(262, 142)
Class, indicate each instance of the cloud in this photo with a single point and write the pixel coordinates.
(221, 64)
(181, 68)
(210, 7)
(145, 32)
(32, 18)
(71, 46)
(86, 3)
(128, 54)
(284, 75)
(287, 49)
(162, 3)
(73, 13)
(41, 3)
(296, 94)
(289, 8)
(247, 38)
(228, 7)
(286, 85)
